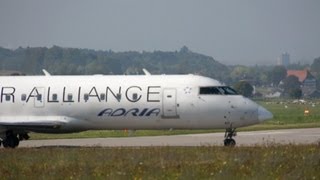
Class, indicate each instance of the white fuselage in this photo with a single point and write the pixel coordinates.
(122, 102)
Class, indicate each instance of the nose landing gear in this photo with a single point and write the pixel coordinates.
(229, 141)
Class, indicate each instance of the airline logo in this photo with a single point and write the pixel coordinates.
(129, 112)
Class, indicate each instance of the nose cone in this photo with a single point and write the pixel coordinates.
(264, 114)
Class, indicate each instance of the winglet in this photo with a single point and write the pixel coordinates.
(46, 72)
(146, 72)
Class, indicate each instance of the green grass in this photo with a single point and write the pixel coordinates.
(286, 115)
(206, 162)
(290, 113)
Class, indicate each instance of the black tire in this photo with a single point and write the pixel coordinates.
(8, 142)
(226, 142)
(5, 144)
(229, 142)
(15, 141)
(232, 142)
(11, 141)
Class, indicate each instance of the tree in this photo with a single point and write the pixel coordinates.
(244, 88)
(315, 66)
(240, 72)
(58, 60)
(278, 73)
(291, 86)
(184, 49)
(295, 93)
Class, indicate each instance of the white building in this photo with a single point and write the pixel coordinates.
(284, 60)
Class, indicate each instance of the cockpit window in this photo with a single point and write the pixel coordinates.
(228, 90)
(217, 90)
(209, 90)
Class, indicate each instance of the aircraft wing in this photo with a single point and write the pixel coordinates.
(33, 123)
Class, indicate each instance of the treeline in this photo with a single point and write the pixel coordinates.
(73, 61)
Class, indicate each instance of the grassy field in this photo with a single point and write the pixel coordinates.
(286, 115)
(287, 112)
(262, 162)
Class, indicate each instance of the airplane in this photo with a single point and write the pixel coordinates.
(67, 104)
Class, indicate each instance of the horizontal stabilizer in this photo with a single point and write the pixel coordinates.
(46, 73)
(146, 72)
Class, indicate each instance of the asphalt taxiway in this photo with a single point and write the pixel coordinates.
(284, 136)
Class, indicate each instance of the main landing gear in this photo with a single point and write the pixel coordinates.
(12, 140)
(229, 141)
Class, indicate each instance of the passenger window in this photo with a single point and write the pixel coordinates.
(54, 97)
(86, 97)
(102, 97)
(23, 97)
(70, 97)
(7, 97)
(119, 97)
(39, 97)
(135, 96)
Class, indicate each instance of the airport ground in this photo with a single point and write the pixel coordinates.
(295, 159)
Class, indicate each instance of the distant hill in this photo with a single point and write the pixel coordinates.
(63, 61)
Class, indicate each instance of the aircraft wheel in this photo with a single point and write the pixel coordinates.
(229, 142)
(16, 141)
(6, 143)
(23, 136)
(11, 141)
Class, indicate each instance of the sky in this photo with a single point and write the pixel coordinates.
(247, 32)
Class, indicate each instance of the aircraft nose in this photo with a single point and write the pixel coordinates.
(264, 114)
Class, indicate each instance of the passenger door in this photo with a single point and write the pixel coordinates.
(170, 103)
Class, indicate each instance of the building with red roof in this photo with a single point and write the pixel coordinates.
(307, 80)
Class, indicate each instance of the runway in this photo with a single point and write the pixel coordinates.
(286, 136)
